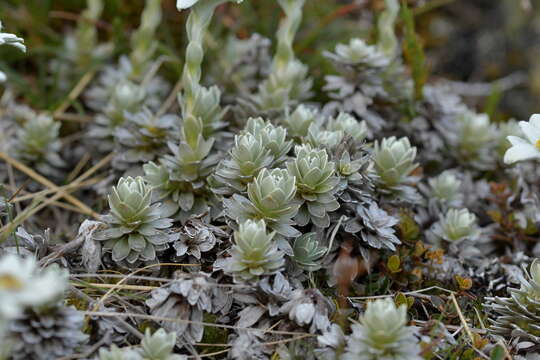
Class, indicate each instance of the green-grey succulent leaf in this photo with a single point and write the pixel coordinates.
(382, 334)
(307, 252)
(255, 252)
(316, 184)
(394, 160)
(135, 228)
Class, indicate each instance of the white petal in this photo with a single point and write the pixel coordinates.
(516, 140)
(521, 152)
(185, 4)
(531, 132)
(535, 120)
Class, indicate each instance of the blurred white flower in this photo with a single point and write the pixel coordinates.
(185, 4)
(525, 148)
(23, 285)
(13, 40)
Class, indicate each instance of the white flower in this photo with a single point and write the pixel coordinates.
(186, 4)
(12, 40)
(23, 285)
(528, 148)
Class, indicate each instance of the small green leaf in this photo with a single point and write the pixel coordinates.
(497, 353)
(403, 299)
(394, 264)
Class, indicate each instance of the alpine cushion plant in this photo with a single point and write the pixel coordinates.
(135, 228)
(266, 189)
(254, 253)
(382, 334)
(38, 144)
(457, 225)
(394, 161)
(248, 156)
(274, 138)
(445, 188)
(519, 314)
(271, 197)
(316, 184)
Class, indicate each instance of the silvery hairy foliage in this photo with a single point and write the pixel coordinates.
(368, 72)
(288, 82)
(47, 333)
(495, 277)
(261, 302)
(37, 143)
(309, 308)
(116, 353)
(134, 67)
(438, 105)
(179, 179)
(40, 326)
(98, 96)
(260, 146)
(246, 62)
(111, 330)
(460, 232)
(330, 341)
(285, 202)
(81, 48)
(135, 229)
(157, 346)
(299, 121)
(247, 345)
(196, 238)
(125, 97)
(394, 163)
(442, 192)
(374, 226)
(307, 253)
(382, 333)
(254, 253)
(274, 138)
(142, 137)
(292, 350)
(358, 180)
(316, 184)
(277, 289)
(470, 139)
(319, 136)
(188, 297)
(518, 314)
(247, 158)
(271, 196)
(24, 243)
